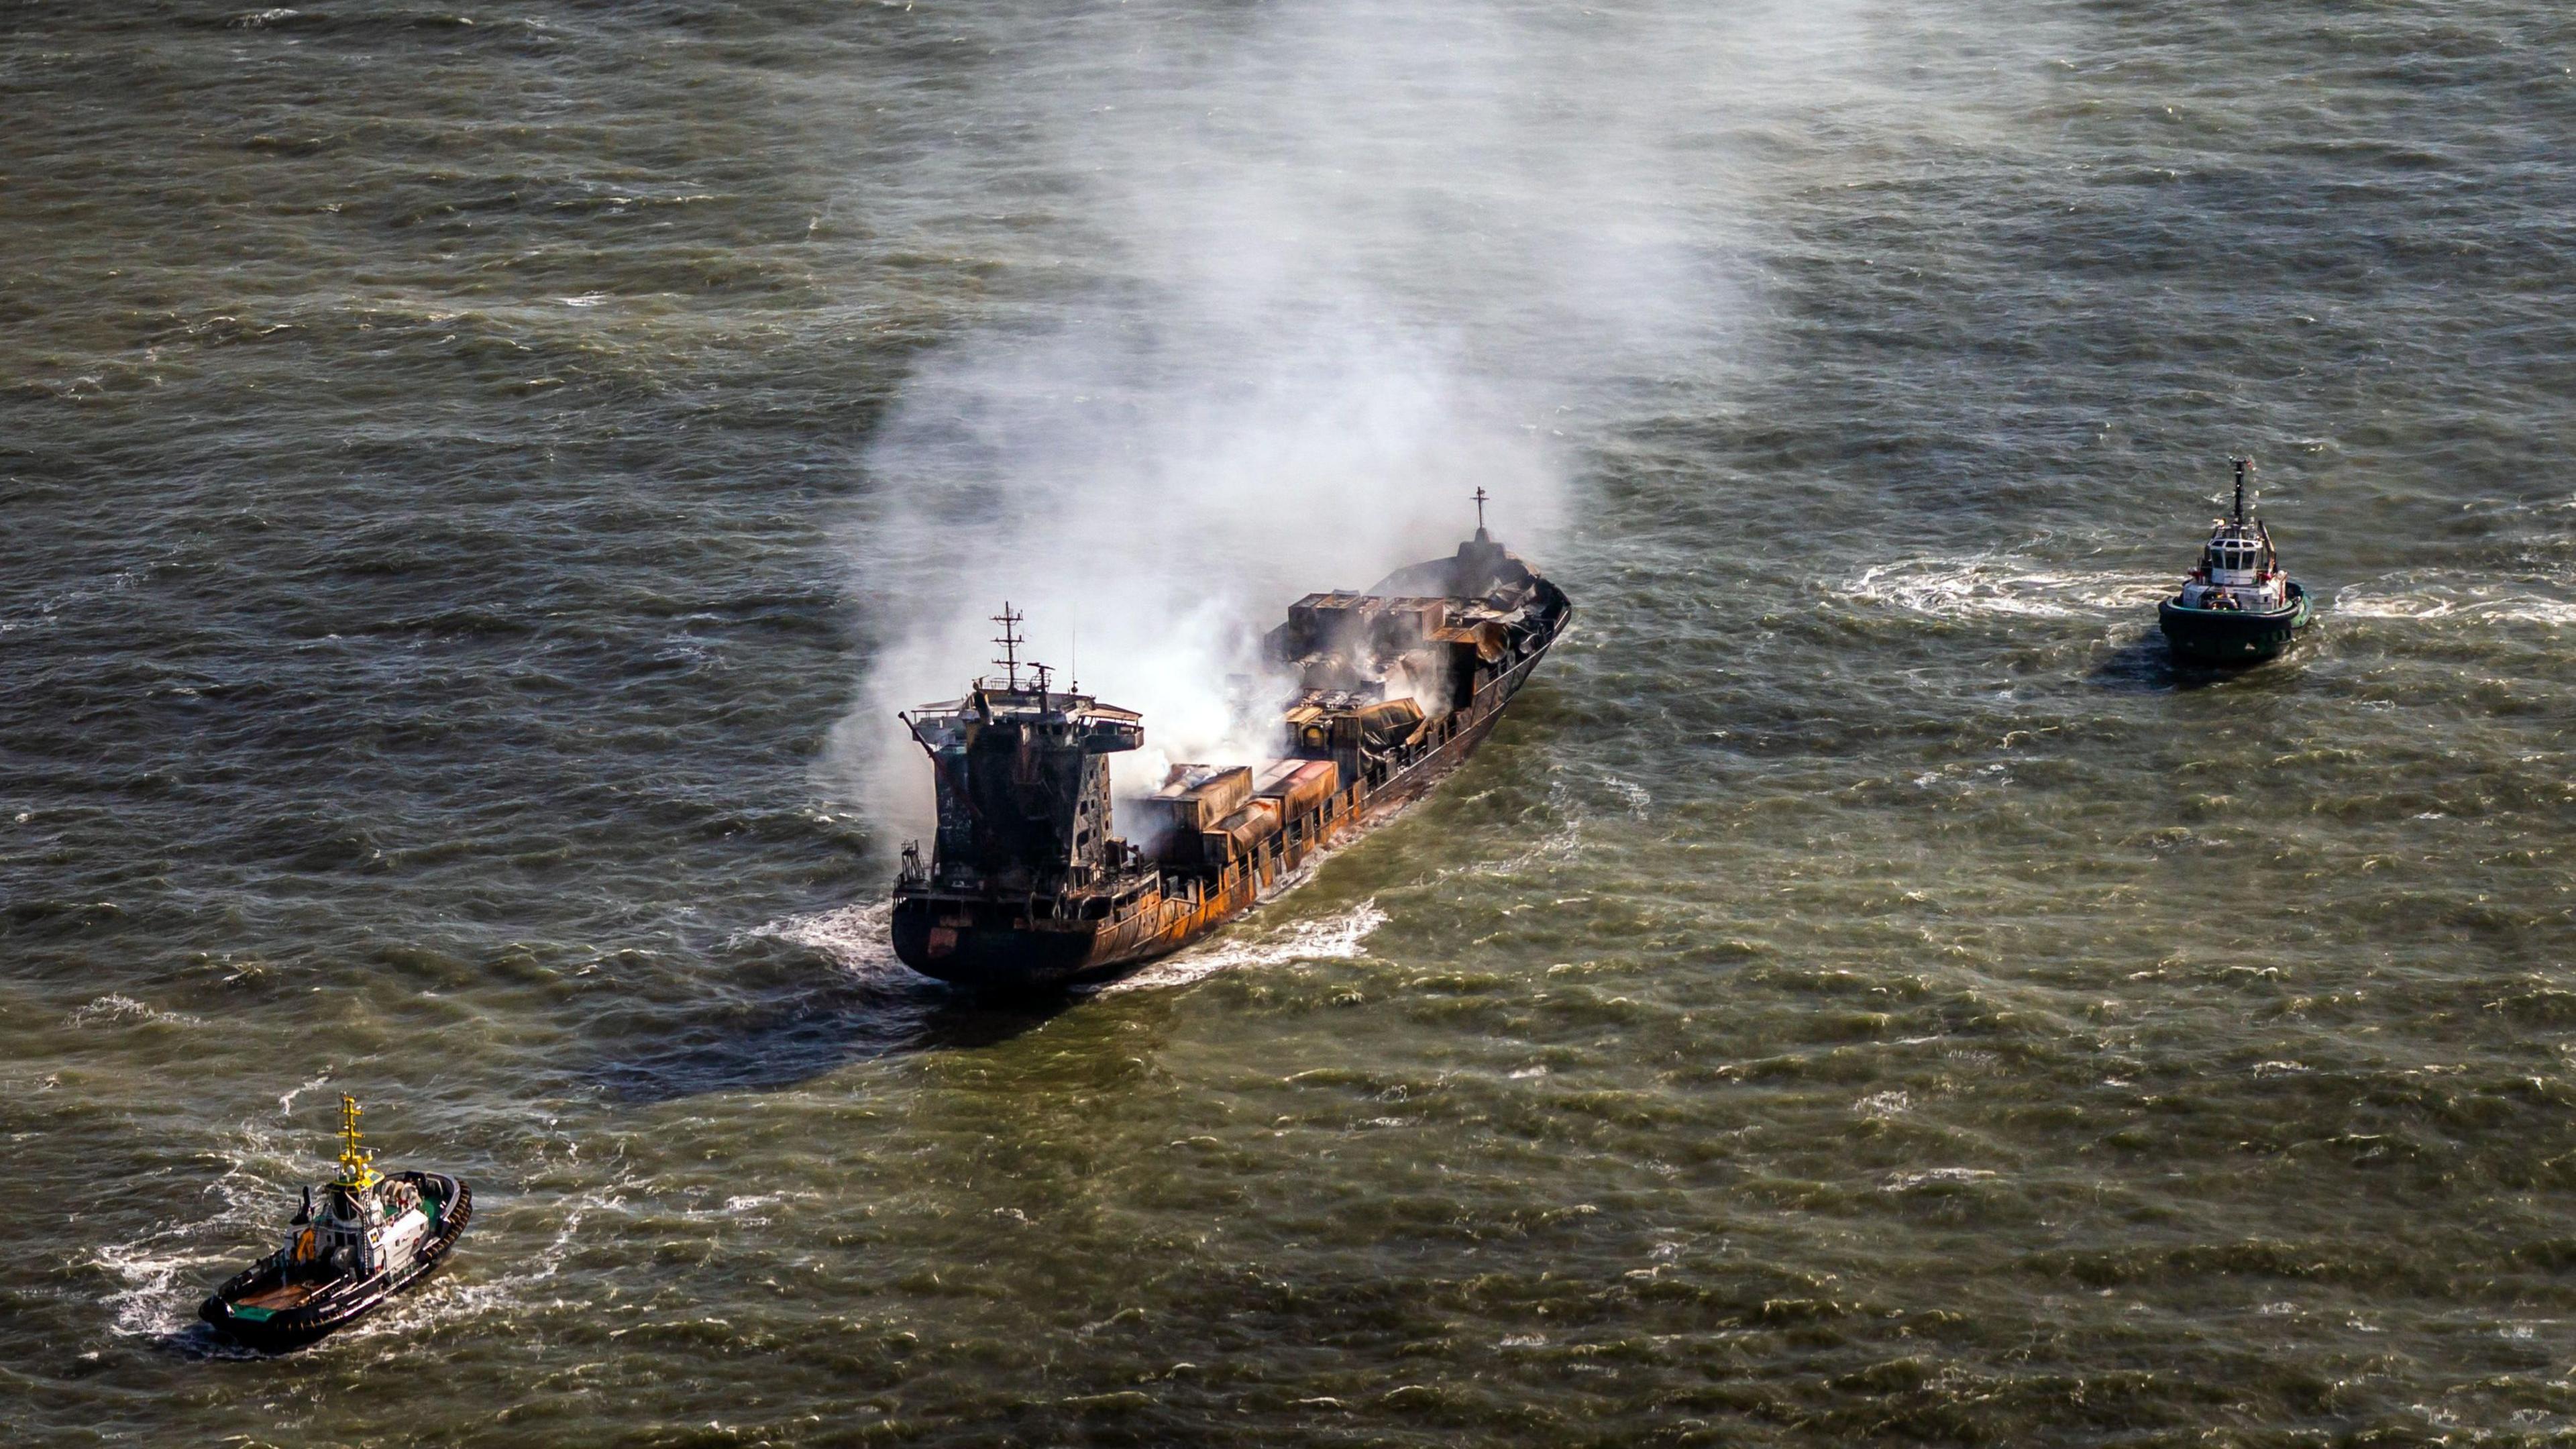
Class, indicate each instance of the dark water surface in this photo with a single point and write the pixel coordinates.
(1861, 992)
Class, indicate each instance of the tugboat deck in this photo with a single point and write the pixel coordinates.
(281, 1297)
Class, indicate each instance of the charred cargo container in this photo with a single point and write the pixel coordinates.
(1026, 888)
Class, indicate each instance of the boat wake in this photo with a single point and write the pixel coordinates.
(1990, 585)
(1340, 937)
(451, 1296)
(166, 1271)
(2402, 598)
(856, 938)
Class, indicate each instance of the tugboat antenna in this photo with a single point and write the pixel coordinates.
(1010, 642)
(1480, 510)
(356, 1168)
(2243, 467)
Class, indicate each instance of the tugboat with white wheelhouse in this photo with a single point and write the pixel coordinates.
(365, 1237)
(2237, 606)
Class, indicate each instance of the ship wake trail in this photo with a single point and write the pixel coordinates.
(1994, 585)
(852, 937)
(1339, 937)
(460, 1294)
(2406, 597)
(161, 1268)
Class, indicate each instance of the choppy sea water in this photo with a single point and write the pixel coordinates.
(1862, 992)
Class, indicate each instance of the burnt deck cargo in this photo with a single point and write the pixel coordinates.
(1026, 888)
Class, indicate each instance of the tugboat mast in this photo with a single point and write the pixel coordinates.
(357, 1165)
(2243, 467)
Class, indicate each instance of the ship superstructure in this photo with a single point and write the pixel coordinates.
(1027, 886)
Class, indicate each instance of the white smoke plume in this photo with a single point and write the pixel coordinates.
(1338, 263)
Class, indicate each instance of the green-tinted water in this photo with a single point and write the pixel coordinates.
(465, 491)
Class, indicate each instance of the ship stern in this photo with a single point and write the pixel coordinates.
(992, 948)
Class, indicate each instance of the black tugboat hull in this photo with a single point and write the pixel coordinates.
(342, 1304)
(2233, 637)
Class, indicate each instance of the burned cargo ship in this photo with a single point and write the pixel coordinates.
(1026, 887)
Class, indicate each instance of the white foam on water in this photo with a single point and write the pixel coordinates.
(856, 938)
(1567, 838)
(159, 1278)
(448, 1297)
(1994, 585)
(126, 1009)
(1903, 1181)
(2402, 598)
(1339, 937)
(286, 1101)
(1639, 800)
(2395, 600)
(1880, 1106)
(167, 1270)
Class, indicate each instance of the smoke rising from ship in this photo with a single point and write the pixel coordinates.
(1331, 267)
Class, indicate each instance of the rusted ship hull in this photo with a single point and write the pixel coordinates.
(995, 945)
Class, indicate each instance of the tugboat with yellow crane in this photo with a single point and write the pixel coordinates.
(366, 1236)
(2237, 607)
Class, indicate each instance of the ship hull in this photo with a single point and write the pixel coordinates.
(1000, 947)
(2231, 637)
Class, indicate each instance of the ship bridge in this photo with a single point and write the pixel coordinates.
(1022, 781)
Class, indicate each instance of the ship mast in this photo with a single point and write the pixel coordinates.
(1480, 513)
(2243, 467)
(1010, 642)
(357, 1165)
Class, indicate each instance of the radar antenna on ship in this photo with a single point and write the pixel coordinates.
(1480, 513)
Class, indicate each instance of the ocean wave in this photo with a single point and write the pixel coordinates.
(1561, 841)
(113, 1009)
(1931, 1176)
(286, 1100)
(1998, 586)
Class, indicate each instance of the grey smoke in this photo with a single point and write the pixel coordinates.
(1336, 265)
